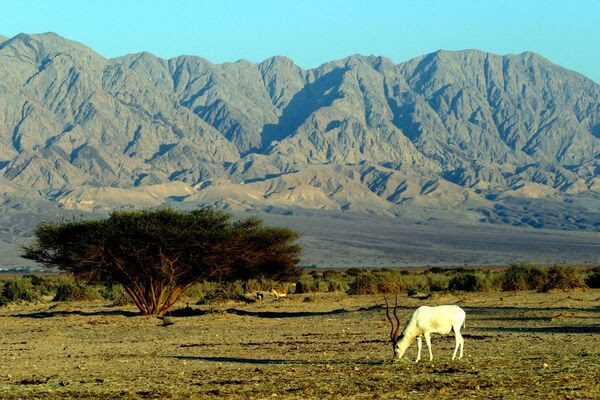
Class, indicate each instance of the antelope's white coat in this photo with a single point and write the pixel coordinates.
(427, 320)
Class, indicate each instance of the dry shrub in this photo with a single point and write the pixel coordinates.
(522, 277)
(226, 291)
(74, 291)
(562, 278)
(465, 283)
(17, 289)
(363, 284)
(437, 282)
(310, 284)
(117, 294)
(593, 279)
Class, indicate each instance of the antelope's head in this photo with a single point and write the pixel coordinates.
(398, 344)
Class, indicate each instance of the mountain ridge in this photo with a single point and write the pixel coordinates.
(465, 130)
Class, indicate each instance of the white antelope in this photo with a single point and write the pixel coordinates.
(425, 321)
(279, 293)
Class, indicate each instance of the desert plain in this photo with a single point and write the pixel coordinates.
(517, 345)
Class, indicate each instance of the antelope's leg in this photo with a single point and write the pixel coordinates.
(428, 341)
(462, 345)
(419, 344)
(457, 339)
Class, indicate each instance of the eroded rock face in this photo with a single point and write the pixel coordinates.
(468, 131)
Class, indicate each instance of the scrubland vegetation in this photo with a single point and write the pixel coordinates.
(39, 288)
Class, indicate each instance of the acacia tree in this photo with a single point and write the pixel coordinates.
(157, 254)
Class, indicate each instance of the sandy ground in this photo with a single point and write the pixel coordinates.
(524, 346)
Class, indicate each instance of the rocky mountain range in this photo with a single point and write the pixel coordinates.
(461, 136)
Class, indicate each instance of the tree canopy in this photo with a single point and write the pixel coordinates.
(157, 254)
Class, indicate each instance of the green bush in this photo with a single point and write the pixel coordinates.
(310, 284)
(437, 283)
(201, 289)
(562, 278)
(593, 279)
(329, 274)
(436, 270)
(224, 291)
(17, 289)
(116, 293)
(74, 291)
(363, 284)
(464, 282)
(336, 286)
(44, 286)
(411, 284)
(522, 277)
(356, 271)
(260, 285)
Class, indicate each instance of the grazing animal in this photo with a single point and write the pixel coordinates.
(425, 321)
(279, 293)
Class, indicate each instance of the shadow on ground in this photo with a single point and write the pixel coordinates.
(50, 314)
(543, 329)
(270, 361)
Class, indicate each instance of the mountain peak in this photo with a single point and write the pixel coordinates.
(36, 47)
(278, 60)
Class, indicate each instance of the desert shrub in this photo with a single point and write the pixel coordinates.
(116, 293)
(336, 286)
(225, 291)
(388, 281)
(231, 290)
(437, 283)
(309, 299)
(329, 274)
(260, 284)
(75, 291)
(464, 282)
(363, 284)
(44, 286)
(200, 289)
(305, 284)
(412, 284)
(308, 284)
(489, 281)
(356, 271)
(315, 274)
(436, 270)
(17, 289)
(593, 279)
(562, 278)
(522, 277)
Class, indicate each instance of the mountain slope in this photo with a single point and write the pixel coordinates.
(467, 135)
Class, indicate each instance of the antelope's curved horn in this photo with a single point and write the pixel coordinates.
(387, 314)
(396, 317)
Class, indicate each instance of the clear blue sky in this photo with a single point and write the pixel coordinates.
(313, 32)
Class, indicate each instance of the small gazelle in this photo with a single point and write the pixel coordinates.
(425, 321)
(278, 293)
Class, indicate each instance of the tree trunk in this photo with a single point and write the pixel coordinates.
(150, 302)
